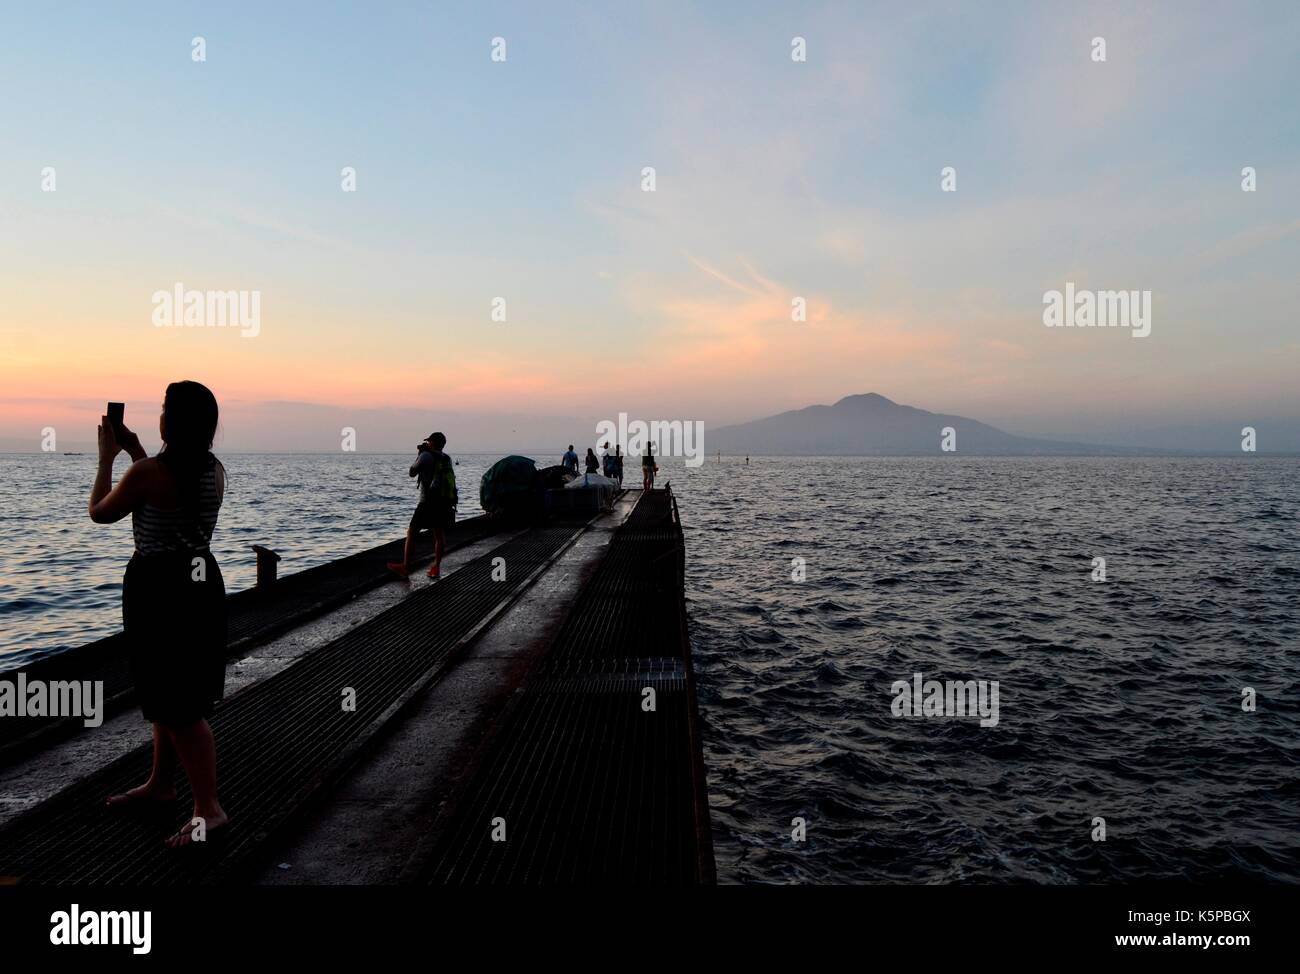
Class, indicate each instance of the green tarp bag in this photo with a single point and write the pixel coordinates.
(512, 485)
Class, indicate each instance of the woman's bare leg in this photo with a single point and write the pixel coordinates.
(197, 749)
(161, 785)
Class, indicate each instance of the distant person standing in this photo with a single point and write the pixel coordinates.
(648, 468)
(570, 461)
(618, 465)
(613, 466)
(437, 507)
(593, 464)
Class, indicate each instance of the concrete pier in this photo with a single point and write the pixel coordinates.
(319, 796)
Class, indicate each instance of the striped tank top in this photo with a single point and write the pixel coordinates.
(159, 531)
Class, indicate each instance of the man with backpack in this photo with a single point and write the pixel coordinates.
(437, 507)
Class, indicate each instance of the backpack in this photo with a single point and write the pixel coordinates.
(442, 485)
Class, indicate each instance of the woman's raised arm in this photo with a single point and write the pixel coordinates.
(108, 503)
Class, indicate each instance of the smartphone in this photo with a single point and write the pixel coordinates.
(115, 413)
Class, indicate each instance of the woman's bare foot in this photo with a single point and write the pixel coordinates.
(212, 824)
(150, 791)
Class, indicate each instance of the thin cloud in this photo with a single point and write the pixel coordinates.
(768, 286)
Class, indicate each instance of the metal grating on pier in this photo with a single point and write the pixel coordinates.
(282, 742)
(254, 616)
(589, 786)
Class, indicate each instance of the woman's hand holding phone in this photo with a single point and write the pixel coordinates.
(129, 442)
(108, 445)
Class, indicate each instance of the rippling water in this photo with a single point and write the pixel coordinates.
(1118, 699)
(61, 583)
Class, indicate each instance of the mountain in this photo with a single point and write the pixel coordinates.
(871, 425)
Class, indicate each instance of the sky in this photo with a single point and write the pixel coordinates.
(522, 179)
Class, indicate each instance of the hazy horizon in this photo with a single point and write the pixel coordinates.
(394, 432)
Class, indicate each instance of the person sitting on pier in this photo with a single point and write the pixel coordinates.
(437, 507)
(570, 461)
(648, 468)
(593, 464)
(173, 596)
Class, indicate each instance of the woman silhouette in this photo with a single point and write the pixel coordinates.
(173, 595)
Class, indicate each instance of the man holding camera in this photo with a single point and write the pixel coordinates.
(437, 507)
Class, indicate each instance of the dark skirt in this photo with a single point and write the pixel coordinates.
(174, 619)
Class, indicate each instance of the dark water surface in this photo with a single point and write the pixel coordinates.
(61, 574)
(1118, 699)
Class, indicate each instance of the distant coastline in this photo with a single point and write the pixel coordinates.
(861, 425)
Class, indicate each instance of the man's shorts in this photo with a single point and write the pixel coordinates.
(429, 514)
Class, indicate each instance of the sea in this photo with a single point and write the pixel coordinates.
(1139, 618)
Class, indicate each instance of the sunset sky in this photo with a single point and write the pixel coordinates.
(522, 180)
